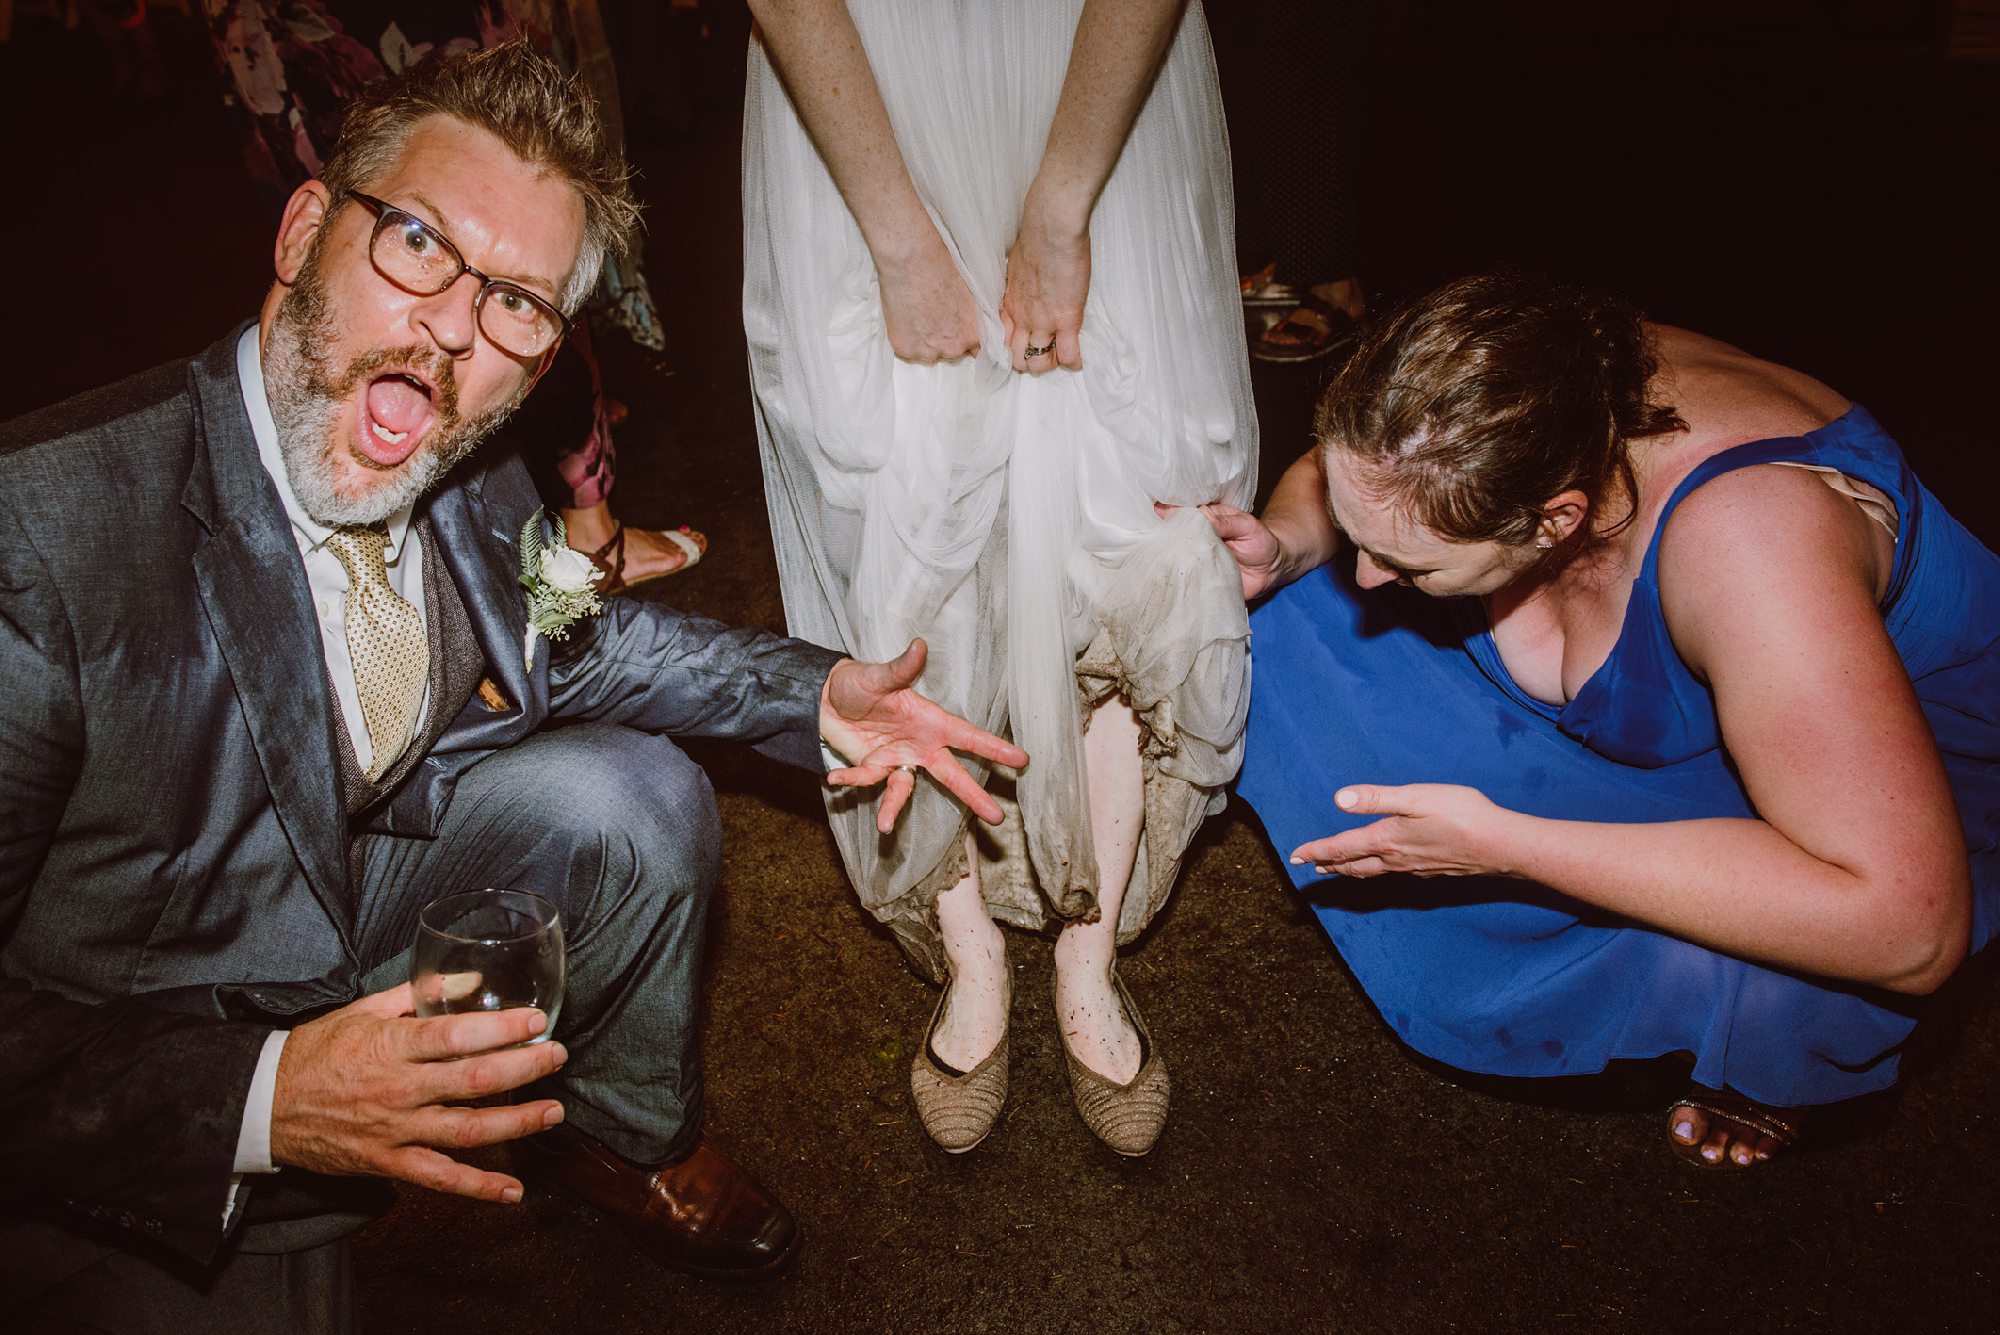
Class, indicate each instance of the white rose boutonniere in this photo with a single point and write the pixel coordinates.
(569, 570)
(558, 582)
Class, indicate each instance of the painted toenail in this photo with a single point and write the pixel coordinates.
(1710, 1153)
(1684, 1129)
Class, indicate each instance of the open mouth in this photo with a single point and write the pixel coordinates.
(396, 411)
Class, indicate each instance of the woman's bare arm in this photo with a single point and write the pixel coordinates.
(1116, 54)
(1860, 846)
(818, 53)
(1298, 517)
(1858, 868)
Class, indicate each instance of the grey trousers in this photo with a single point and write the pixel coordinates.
(617, 827)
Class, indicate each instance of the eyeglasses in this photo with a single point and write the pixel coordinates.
(416, 257)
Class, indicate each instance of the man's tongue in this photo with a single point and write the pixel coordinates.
(397, 413)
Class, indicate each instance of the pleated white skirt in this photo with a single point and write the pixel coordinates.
(1008, 519)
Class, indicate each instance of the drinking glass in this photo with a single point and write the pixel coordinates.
(489, 950)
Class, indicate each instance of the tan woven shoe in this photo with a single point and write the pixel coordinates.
(1127, 1117)
(958, 1108)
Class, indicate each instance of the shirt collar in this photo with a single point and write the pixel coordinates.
(311, 533)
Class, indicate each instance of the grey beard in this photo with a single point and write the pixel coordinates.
(305, 403)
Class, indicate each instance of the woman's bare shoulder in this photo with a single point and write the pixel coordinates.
(1729, 397)
(1764, 546)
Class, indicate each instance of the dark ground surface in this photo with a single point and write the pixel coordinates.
(1818, 200)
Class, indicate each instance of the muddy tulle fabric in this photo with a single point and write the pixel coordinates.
(1008, 519)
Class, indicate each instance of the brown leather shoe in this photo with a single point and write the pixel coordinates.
(702, 1214)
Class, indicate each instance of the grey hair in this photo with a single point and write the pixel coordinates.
(546, 118)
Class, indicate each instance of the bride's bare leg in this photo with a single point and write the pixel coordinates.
(1093, 1020)
(975, 1012)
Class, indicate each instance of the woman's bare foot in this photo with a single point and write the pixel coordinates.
(589, 529)
(1718, 1129)
(647, 554)
(977, 995)
(1093, 1019)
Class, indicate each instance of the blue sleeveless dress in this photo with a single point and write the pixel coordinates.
(1510, 978)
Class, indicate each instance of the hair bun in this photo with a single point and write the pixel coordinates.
(1482, 400)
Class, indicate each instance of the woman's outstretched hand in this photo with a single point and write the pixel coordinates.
(869, 713)
(926, 306)
(1430, 829)
(1048, 278)
(1259, 557)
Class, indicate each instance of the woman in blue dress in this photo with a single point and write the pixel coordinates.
(1666, 651)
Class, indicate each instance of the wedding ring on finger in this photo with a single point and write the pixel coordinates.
(1042, 351)
(909, 769)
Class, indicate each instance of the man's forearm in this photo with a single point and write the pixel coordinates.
(661, 671)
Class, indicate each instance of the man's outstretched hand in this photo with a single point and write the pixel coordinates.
(362, 1091)
(871, 716)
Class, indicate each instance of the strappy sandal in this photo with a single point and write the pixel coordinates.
(1315, 328)
(610, 558)
(1779, 1124)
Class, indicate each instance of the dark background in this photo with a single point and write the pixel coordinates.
(1809, 181)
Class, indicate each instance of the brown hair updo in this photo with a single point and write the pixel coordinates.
(1479, 403)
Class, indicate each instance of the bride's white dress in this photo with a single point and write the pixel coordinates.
(1008, 519)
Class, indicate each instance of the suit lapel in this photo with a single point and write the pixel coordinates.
(484, 564)
(253, 586)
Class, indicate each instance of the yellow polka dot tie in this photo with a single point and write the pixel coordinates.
(385, 638)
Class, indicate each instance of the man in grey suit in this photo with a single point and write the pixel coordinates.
(299, 697)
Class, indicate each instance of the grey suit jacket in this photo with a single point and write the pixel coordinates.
(173, 871)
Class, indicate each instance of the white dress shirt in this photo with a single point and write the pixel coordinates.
(327, 579)
(325, 575)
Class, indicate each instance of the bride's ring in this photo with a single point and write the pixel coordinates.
(1042, 351)
(909, 769)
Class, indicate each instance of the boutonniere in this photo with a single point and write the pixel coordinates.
(558, 582)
